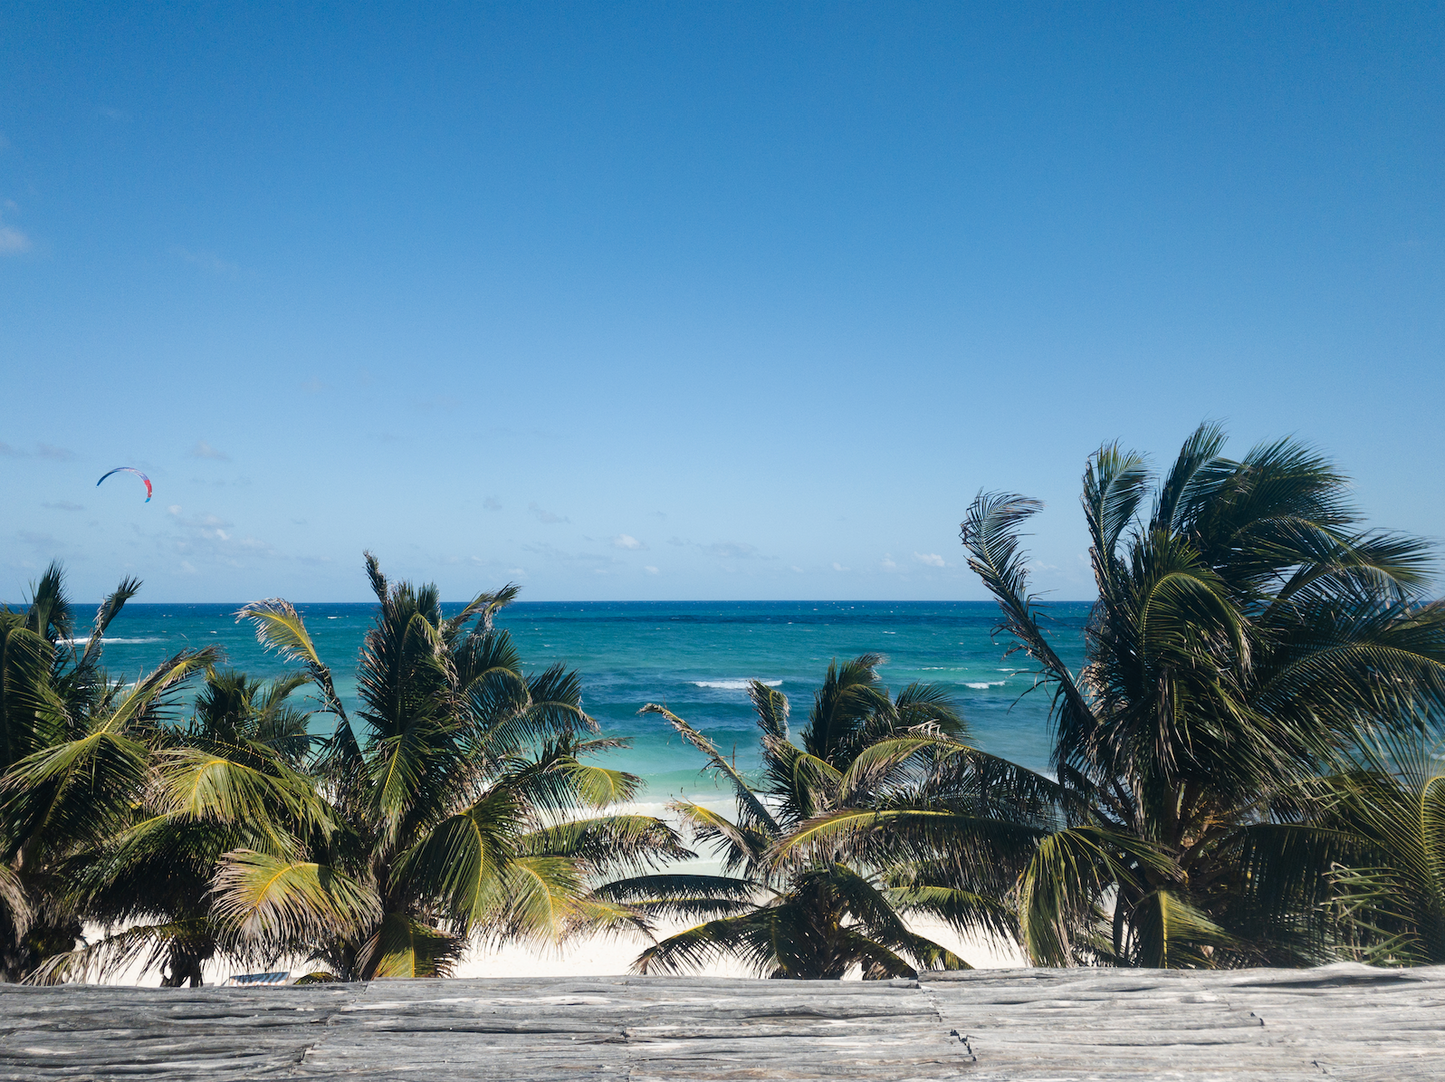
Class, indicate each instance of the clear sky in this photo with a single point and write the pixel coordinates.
(691, 300)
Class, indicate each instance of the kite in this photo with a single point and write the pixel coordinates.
(132, 469)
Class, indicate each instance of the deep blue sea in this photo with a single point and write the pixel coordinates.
(693, 656)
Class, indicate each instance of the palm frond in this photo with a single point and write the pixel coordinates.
(267, 796)
(462, 863)
(483, 608)
(608, 843)
(747, 937)
(1114, 486)
(991, 533)
(743, 846)
(755, 812)
(265, 904)
(1170, 933)
(150, 944)
(1065, 883)
(772, 708)
(403, 947)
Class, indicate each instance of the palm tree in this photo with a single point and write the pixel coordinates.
(232, 778)
(454, 791)
(76, 757)
(1249, 637)
(787, 909)
(1391, 890)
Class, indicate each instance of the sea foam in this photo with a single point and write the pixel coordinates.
(733, 685)
(106, 641)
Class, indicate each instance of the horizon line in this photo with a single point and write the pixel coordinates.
(652, 601)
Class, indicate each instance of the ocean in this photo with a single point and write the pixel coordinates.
(694, 657)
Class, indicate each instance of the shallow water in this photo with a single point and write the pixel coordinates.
(694, 657)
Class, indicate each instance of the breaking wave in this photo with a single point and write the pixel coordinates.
(107, 640)
(733, 685)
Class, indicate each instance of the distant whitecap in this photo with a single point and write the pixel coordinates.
(733, 685)
(984, 685)
(106, 641)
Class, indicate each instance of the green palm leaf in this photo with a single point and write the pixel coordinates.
(267, 904)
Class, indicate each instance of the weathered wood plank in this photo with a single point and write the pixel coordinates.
(1341, 1021)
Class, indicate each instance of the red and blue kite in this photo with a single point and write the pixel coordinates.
(132, 469)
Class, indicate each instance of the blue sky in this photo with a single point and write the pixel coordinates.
(716, 300)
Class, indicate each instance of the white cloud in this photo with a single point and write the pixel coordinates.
(650, 569)
(202, 449)
(887, 562)
(932, 559)
(627, 541)
(207, 261)
(13, 241)
(838, 567)
(732, 550)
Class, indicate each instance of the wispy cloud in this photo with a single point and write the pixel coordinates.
(13, 241)
(63, 505)
(627, 541)
(887, 562)
(931, 559)
(543, 515)
(586, 559)
(732, 550)
(491, 503)
(723, 550)
(44, 542)
(207, 526)
(206, 261)
(44, 450)
(838, 567)
(210, 538)
(650, 569)
(202, 449)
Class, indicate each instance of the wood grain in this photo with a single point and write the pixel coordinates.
(1342, 1021)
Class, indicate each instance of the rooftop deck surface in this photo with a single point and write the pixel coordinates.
(1342, 1021)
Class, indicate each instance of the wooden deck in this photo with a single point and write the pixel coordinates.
(1022, 1024)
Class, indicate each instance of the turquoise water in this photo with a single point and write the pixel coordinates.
(694, 657)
